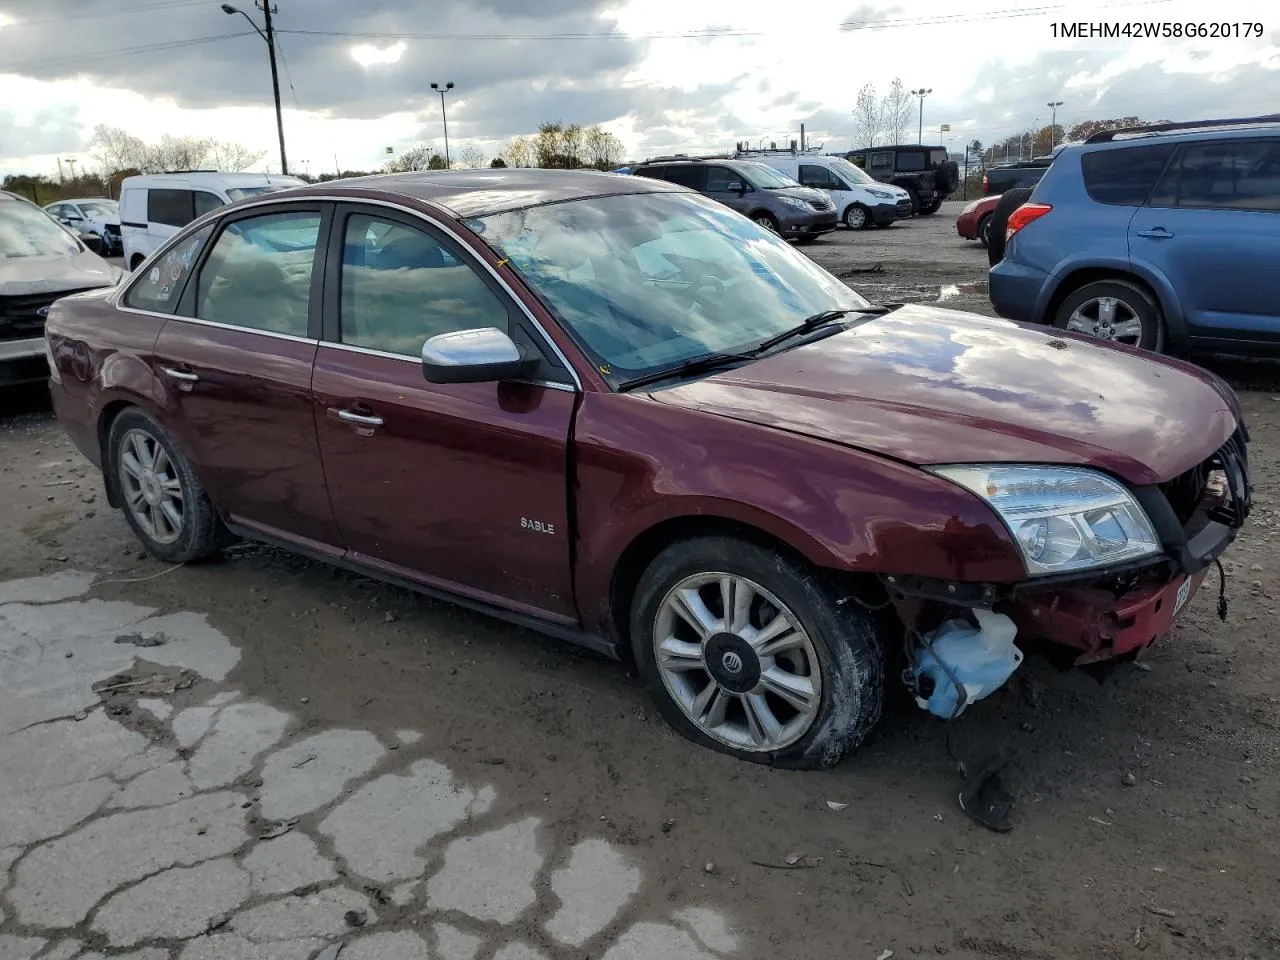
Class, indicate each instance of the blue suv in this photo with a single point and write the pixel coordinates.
(1160, 237)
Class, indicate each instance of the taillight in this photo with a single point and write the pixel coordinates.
(986, 184)
(1025, 214)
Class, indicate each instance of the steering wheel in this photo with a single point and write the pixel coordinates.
(707, 291)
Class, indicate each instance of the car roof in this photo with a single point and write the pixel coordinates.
(474, 193)
(210, 176)
(1189, 132)
(82, 200)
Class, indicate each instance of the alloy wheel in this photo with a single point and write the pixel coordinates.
(151, 486)
(737, 662)
(767, 223)
(1107, 318)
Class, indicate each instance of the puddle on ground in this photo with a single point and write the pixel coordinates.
(953, 291)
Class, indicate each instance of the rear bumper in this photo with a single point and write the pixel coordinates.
(1015, 290)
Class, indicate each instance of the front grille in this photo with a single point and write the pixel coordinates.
(21, 317)
(1190, 493)
(820, 204)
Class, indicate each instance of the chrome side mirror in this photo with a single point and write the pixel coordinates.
(475, 356)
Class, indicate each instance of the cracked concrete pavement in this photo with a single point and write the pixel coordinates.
(198, 823)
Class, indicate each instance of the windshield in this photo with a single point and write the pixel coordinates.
(851, 172)
(765, 177)
(645, 282)
(27, 231)
(240, 193)
(101, 208)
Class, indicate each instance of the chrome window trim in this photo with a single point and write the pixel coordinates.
(269, 200)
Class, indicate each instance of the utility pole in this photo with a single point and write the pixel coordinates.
(71, 162)
(444, 117)
(1053, 124)
(921, 93)
(270, 37)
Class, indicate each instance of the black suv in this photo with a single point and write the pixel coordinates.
(922, 171)
(770, 198)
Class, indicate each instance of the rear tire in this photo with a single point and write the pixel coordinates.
(932, 207)
(719, 689)
(163, 502)
(1120, 311)
(915, 201)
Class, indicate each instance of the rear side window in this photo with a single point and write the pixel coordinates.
(1125, 177)
(173, 208)
(880, 161)
(258, 274)
(690, 176)
(161, 289)
(911, 161)
(1227, 175)
(653, 173)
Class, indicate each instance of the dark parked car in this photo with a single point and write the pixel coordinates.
(925, 172)
(617, 412)
(772, 199)
(974, 222)
(1159, 237)
(40, 261)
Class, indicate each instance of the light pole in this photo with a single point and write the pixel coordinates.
(71, 161)
(921, 93)
(444, 118)
(270, 37)
(1053, 124)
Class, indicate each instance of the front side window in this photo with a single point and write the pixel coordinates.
(644, 282)
(1228, 175)
(28, 231)
(205, 201)
(1124, 177)
(852, 173)
(763, 176)
(172, 208)
(719, 178)
(820, 178)
(161, 288)
(258, 274)
(400, 287)
(102, 209)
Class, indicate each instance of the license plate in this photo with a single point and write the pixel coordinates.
(1184, 591)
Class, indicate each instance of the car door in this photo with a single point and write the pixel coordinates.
(236, 362)
(728, 186)
(820, 178)
(458, 486)
(1212, 227)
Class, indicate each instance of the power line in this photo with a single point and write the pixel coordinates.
(169, 5)
(704, 34)
(120, 51)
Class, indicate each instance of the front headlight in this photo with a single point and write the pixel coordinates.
(1062, 518)
(882, 194)
(796, 202)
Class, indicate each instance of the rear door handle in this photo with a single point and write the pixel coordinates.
(360, 419)
(186, 376)
(1156, 233)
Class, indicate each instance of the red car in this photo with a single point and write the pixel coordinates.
(974, 221)
(616, 411)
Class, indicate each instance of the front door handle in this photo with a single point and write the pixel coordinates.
(359, 419)
(1156, 233)
(186, 376)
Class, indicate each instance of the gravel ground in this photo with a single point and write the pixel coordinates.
(454, 777)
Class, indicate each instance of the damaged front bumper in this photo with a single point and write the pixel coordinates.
(1117, 613)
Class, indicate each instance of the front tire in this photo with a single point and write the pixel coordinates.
(767, 221)
(163, 502)
(788, 678)
(1114, 310)
(857, 217)
(932, 207)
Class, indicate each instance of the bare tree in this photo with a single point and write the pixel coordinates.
(471, 157)
(519, 152)
(867, 120)
(116, 149)
(603, 150)
(895, 111)
(421, 156)
(231, 157)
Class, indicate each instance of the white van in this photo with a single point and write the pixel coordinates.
(861, 201)
(155, 207)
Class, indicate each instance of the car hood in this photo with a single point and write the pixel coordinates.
(803, 193)
(924, 385)
(23, 276)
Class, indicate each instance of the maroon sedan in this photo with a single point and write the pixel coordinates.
(619, 412)
(974, 222)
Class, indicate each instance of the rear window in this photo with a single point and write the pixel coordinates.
(1126, 176)
(687, 176)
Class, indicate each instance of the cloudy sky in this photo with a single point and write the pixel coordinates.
(662, 74)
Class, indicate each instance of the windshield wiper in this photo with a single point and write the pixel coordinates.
(696, 365)
(812, 323)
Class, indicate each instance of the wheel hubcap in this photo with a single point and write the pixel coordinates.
(855, 218)
(737, 662)
(151, 488)
(1107, 319)
(766, 223)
